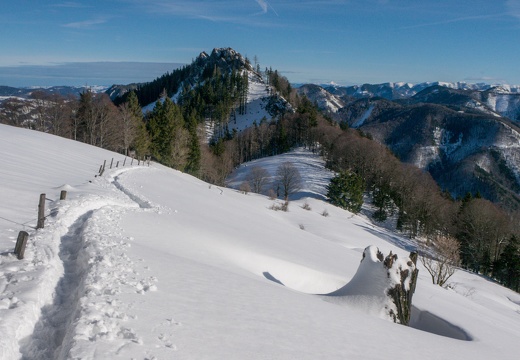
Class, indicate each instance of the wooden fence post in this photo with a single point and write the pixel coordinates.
(132, 163)
(63, 195)
(41, 212)
(117, 164)
(111, 162)
(124, 162)
(100, 169)
(21, 242)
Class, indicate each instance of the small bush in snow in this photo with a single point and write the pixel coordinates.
(283, 206)
(245, 187)
(306, 206)
(325, 213)
(272, 194)
(302, 227)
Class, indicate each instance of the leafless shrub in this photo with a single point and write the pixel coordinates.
(325, 213)
(302, 227)
(306, 206)
(272, 194)
(445, 261)
(280, 206)
(245, 188)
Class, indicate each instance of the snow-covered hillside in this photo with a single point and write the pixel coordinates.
(149, 263)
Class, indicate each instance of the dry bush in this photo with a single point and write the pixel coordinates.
(245, 187)
(283, 206)
(445, 261)
(306, 206)
(271, 194)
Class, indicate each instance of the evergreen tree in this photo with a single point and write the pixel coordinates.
(165, 119)
(346, 191)
(507, 268)
(194, 153)
(141, 141)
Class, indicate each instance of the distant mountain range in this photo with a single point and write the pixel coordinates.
(466, 136)
(25, 92)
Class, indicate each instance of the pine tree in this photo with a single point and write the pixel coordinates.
(194, 154)
(141, 139)
(507, 268)
(346, 191)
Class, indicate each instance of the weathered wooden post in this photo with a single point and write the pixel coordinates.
(100, 169)
(132, 163)
(111, 163)
(41, 212)
(21, 242)
(63, 195)
(124, 162)
(117, 164)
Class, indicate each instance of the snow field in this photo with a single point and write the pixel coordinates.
(152, 263)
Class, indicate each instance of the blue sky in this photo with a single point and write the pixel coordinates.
(345, 41)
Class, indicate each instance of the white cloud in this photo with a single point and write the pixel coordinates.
(85, 24)
(263, 5)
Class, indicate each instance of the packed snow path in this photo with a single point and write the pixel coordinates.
(150, 263)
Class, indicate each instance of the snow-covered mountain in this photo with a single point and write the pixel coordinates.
(466, 135)
(323, 98)
(147, 262)
(400, 90)
(463, 143)
(501, 99)
(25, 92)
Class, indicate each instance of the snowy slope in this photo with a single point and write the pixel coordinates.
(147, 262)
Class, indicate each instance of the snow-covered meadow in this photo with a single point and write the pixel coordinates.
(149, 263)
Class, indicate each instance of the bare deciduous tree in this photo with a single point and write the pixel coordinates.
(289, 179)
(257, 178)
(445, 261)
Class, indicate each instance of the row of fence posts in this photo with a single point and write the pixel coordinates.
(145, 161)
(23, 236)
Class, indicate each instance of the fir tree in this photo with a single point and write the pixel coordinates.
(141, 140)
(346, 191)
(194, 154)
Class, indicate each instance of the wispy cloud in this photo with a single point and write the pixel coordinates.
(86, 24)
(229, 11)
(455, 20)
(70, 4)
(265, 6)
(513, 8)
